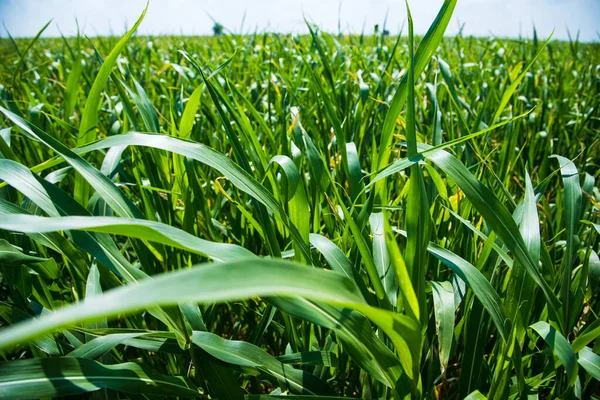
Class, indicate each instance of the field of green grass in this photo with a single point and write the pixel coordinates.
(314, 216)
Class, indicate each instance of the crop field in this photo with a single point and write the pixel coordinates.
(309, 216)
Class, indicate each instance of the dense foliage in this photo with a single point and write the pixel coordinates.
(234, 216)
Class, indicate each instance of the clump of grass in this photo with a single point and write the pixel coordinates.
(266, 215)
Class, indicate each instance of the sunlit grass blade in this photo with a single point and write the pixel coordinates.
(89, 117)
(199, 152)
(443, 299)
(497, 216)
(417, 218)
(423, 55)
(246, 354)
(508, 92)
(51, 377)
(590, 361)
(560, 347)
(287, 279)
(137, 228)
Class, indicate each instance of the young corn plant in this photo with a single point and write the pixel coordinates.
(320, 216)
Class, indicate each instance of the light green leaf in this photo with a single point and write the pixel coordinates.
(51, 377)
(560, 347)
(443, 301)
(136, 228)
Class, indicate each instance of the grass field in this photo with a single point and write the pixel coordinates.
(320, 215)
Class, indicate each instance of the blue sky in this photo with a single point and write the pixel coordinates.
(481, 17)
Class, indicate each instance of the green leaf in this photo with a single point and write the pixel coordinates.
(497, 217)
(416, 218)
(443, 301)
(199, 152)
(89, 118)
(291, 176)
(356, 335)
(425, 150)
(73, 87)
(590, 361)
(475, 280)
(381, 257)
(189, 113)
(51, 377)
(423, 55)
(572, 207)
(521, 288)
(12, 315)
(324, 358)
(101, 345)
(136, 228)
(211, 283)
(354, 170)
(406, 290)
(501, 252)
(103, 185)
(482, 288)
(475, 395)
(9, 254)
(335, 257)
(508, 92)
(248, 355)
(560, 347)
(289, 397)
(93, 288)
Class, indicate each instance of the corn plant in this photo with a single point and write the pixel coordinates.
(309, 216)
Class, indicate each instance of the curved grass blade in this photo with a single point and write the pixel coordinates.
(423, 55)
(289, 397)
(10, 255)
(99, 346)
(12, 315)
(94, 288)
(89, 118)
(426, 150)
(61, 376)
(55, 202)
(590, 361)
(246, 354)
(560, 347)
(212, 283)
(381, 256)
(515, 83)
(497, 217)
(335, 257)
(443, 301)
(521, 288)
(103, 185)
(136, 228)
(199, 152)
(355, 333)
(499, 250)
(290, 174)
(475, 280)
(484, 291)
(417, 219)
(572, 207)
(325, 358)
